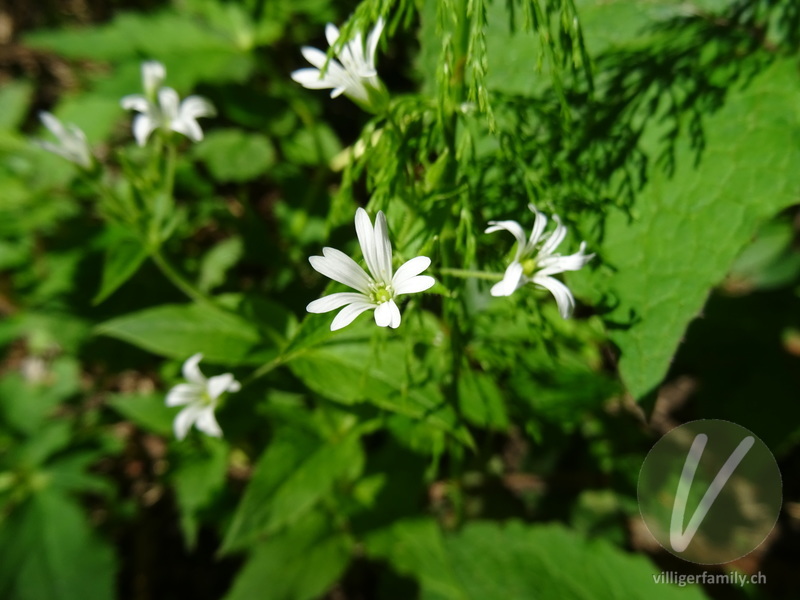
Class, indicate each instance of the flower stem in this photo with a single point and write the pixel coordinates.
(470, 274)
(178, 280)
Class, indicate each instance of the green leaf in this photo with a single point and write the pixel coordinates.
(234, 155)
(218, 261)
(295, 472)
(490, 561)
(688, 228)
(313, 145)
(26, 404)
(299, 563)
(123, 259)
(145, 410)
(181, 330)
(481, 400)
(48, 550)
(350, 370)
(14, 98)
(199, 475)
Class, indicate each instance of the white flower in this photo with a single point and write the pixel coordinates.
(354, 74)
(199, 396)
(72, 143)
(161, 108)
(377, 289)
(535, 260)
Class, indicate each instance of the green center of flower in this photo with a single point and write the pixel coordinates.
(528, 266)
(381, 293)
(205, 399)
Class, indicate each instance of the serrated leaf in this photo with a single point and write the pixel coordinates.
(292, 475)
(490, 561)
(689, 228)
(299, 563)
(181, 330)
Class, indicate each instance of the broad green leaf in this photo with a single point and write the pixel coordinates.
(297, 470)
(481, 400)
(688, 228)
(122, 261)
(24, 404)
(218, 261)
(181, 330)
(48, 550)
(14, 98)
(351, 370)
(298, 563)
(234, 155)
(145, 410)
(491, 561)
(199, 475)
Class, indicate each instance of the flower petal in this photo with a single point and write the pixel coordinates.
(514, 229)
(143, 126)
(414, 285)
(383, 248)
(191, 369)
(331, 33)
(334, 301)
(188, 127)
(372, 42)
(53, 125)
(539, 224)
(135, 102)
(336, 265)
(169, 101)
(554, 239)
(184, 393)
(511, 281)
(195, 107)
(348, 314)
(219, 384)
(315, 56)
(564, 298)
(184, 419)
(207, 422)
(409, 269)
(383, 314)
(558, 264)
(366, 239)
(153, 74)
(311, 79)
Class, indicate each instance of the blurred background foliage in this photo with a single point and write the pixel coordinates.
(491, 453)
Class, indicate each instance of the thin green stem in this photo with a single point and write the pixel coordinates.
(470, 274)
(178, 280)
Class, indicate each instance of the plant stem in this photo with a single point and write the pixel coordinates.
(469, 274)
(178, 280)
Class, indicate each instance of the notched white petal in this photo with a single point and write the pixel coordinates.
(219, 384)
(207, 422)
(414, 285)
(334, 301)
(348, 314)
(185, 419)
(511, 281)
(191, 369)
